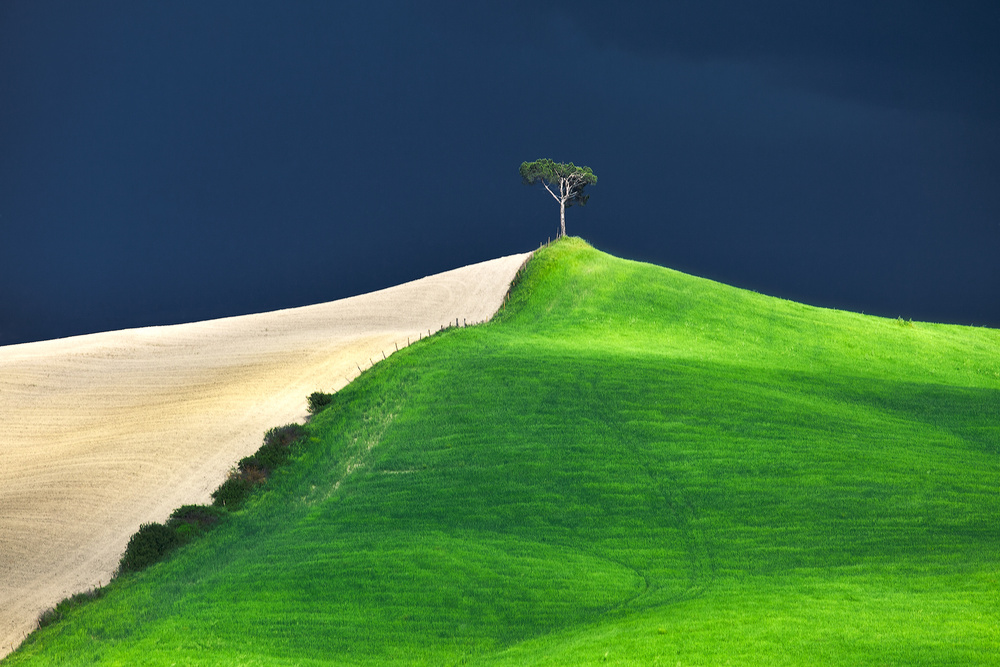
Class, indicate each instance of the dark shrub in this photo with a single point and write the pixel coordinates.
(247, 463)
(266, 459)
(252, 472)
(232, 493)
(284, 436)
(149, 545)
(275, 450)
(318, 400)
(201, 517)
(190, 521)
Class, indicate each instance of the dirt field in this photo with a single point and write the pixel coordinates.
(101, 433)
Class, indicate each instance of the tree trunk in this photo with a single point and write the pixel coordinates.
(563, 194)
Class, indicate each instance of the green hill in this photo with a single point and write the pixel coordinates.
(629, 465)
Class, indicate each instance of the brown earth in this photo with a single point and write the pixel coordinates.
(104, 432)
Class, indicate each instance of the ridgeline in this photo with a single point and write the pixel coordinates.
(628, 465)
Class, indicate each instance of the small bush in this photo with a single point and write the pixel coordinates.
(150, 544)
(275, 450)
(198, 517)
(190, 521)
(318, 401)
(266, 459)
(232, 493)
(285, 436)
(254, 470)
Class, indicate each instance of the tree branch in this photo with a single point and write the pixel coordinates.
(546, 186)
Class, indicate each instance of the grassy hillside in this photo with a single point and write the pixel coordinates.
(628, 466)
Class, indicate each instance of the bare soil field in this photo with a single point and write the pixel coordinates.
(104, 432)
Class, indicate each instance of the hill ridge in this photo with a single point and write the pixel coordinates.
(534, 491)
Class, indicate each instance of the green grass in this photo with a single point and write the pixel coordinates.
(628, 466)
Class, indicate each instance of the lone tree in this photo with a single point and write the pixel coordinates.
(570, 179)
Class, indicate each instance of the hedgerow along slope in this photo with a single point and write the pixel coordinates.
(628, 466)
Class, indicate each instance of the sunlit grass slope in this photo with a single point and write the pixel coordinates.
(629, 466)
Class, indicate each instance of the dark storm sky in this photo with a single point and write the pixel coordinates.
(173, 161)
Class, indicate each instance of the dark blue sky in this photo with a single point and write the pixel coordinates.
(173, 161)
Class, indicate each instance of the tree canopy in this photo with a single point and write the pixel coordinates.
(568, 178)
